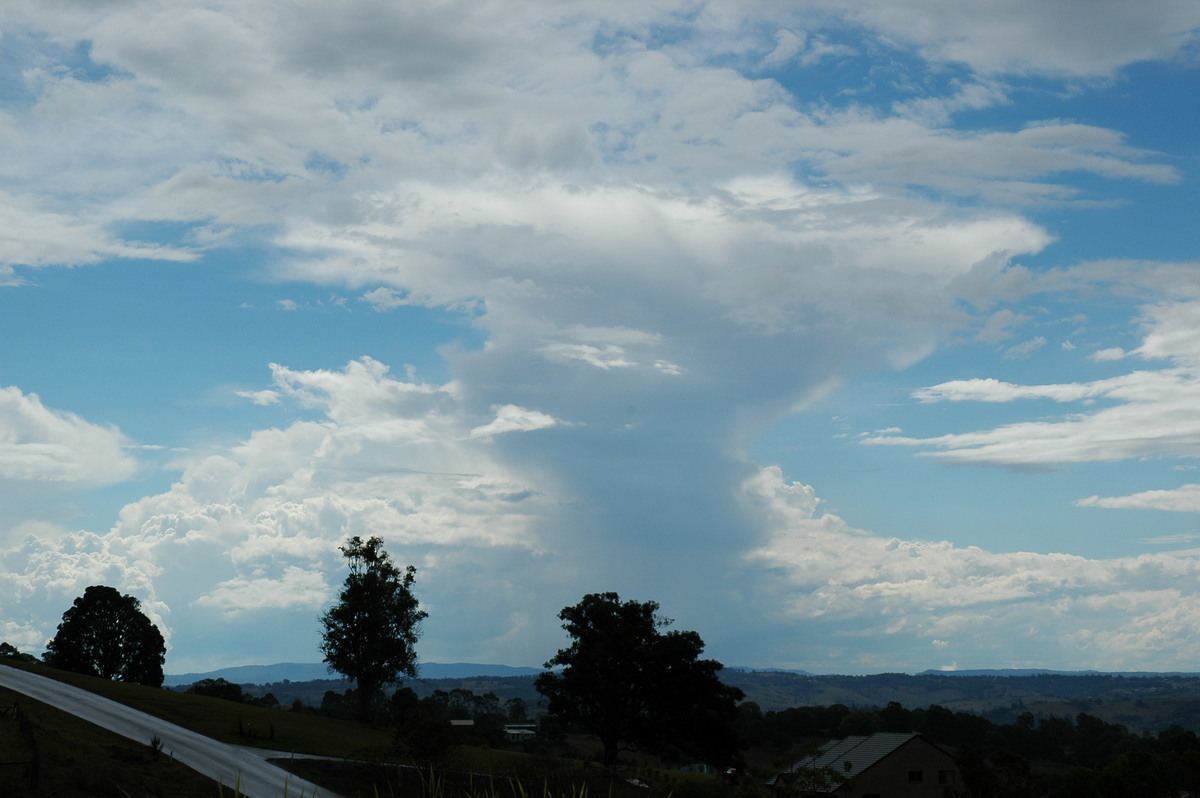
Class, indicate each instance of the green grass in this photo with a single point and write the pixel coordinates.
(81, 760)
(464, 775)
(238, 724)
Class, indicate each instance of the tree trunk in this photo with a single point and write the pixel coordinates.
(366, 694)
(610, 752)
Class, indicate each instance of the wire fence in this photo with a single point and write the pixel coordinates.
(27, 733)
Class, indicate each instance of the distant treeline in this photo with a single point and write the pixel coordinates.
(1149, 702)
(1051, 756)
(1057, 756)
(1141, 703)
(312, 693)
(780, 689)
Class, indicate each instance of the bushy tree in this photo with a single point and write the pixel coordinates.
(635, 686)
(370, 634)
(219, 688)
(105, 633)
(9, 651)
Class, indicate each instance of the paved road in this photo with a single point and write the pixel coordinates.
(229, 764)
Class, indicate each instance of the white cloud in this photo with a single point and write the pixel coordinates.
(1130, 612)
(1108, 355)
(1161, 427)
(787, 45)
(1149, 412)
(246, 116)
(296, 588)
(261, 398)
(999, 325)
(40, 444)
(254, 528)
(1025, 348)
(386, 299)
(1185, 498)
(1032, 36)
(662, 251)
(510, 418)
(609, 357)
(1138, 384)
(799, 46)
(46, 238)
(1172, 332)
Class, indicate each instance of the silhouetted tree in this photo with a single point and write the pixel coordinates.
(370, 635)
(219, 688)
(516, 710)
(634, 686)
(9, 651)
(105, 633)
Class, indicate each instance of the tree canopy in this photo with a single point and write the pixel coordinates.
(370, 634)
(105, 633)
(637, 687)
(9, 651)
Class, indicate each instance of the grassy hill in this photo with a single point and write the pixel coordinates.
(76, 758)
(80, 760)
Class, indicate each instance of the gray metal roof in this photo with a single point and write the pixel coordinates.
(846, 758)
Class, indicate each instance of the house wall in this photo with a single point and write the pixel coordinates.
(890, 777)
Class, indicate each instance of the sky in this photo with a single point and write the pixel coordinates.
(862, 336)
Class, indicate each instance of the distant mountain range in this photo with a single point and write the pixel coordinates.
(1042, 672)
(312, 671)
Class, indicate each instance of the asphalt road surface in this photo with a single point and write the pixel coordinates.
(228, 764)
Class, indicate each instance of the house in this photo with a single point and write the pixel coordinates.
(883, 765)
(520, 732)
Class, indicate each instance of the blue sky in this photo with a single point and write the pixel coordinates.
(862, 336)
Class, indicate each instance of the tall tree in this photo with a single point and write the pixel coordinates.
(635, 686)
(370, 635)
(106, 634)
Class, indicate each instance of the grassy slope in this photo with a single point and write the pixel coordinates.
(81, 760)
(87, 761)
(259, 726)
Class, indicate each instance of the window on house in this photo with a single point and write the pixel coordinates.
(916, 775)
(945, 777)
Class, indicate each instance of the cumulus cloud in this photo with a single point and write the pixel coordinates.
(296, 588)
(662, 255)
(254, 528)
(40, 444)
(1066, 608)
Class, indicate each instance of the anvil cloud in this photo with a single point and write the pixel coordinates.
(861, 336)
